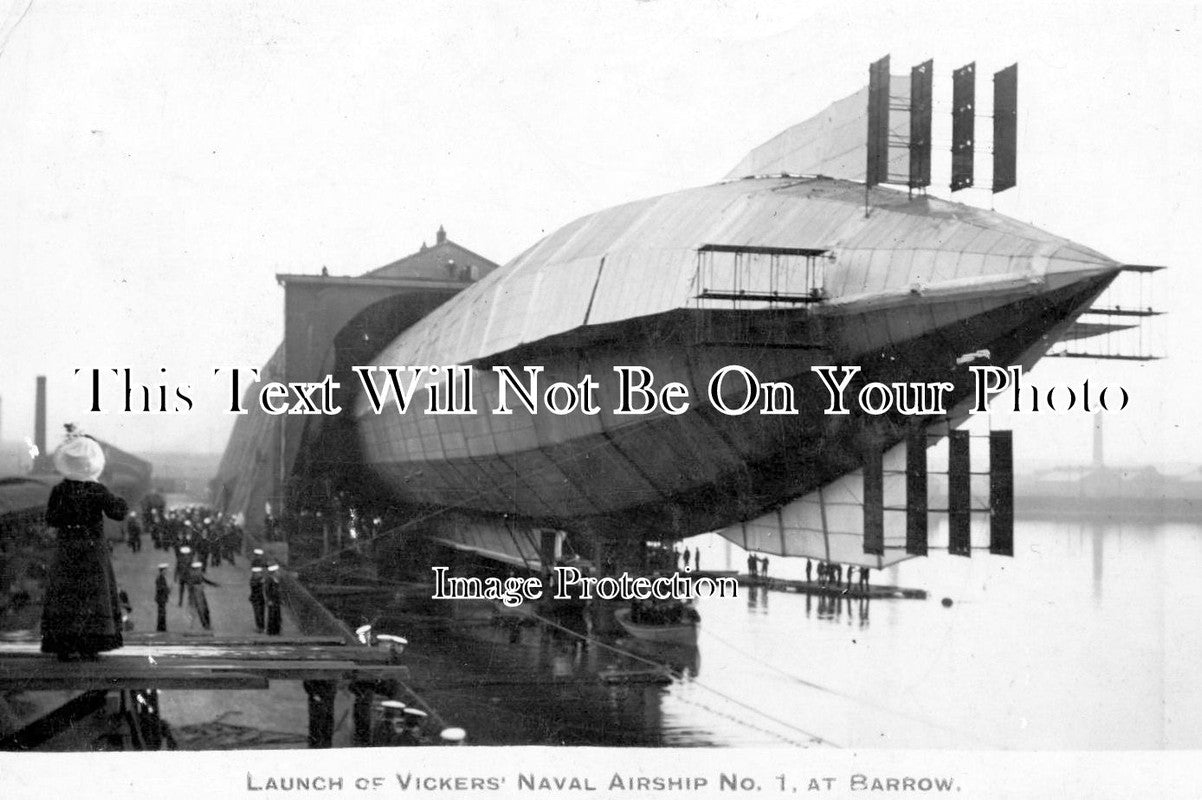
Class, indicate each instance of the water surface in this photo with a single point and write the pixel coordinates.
(1090, 637)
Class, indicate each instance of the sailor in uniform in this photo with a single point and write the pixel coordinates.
(271, 594)
(133, 532)
(196, 581)
(202, 550)
(258, 602)
(389, 687)
(162, 593)
(183, 557)
(409, 728)
(395, 644)
(385, 732)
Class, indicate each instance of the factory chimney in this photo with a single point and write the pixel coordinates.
(39, 416)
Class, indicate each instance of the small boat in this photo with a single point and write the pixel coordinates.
(682, 633)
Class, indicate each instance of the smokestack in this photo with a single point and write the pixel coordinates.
(39, 416)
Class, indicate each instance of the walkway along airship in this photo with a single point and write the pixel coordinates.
(802, 257)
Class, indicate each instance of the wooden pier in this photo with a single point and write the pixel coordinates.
(153, 662)
(854, 591)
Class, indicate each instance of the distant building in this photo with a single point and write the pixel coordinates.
(331, 322)
(445, 260)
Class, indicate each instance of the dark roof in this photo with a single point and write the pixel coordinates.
(21, 494)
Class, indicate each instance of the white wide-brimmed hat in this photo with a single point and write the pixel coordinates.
(79, 459)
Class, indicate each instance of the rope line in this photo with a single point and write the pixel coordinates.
(633, 656)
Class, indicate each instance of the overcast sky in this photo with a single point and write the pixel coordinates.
(161, 161)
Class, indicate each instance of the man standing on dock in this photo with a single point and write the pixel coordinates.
(271, 593)
(183, 557)
(197, 599)
(162, 593)
(133, 532)
(258, 602)
(202, 551)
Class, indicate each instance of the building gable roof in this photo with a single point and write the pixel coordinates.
(446, 259)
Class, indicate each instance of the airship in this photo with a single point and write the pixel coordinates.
(803, 258)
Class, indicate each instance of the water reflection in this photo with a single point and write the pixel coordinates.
(837, 608)
(1065, 646)
(757, 598)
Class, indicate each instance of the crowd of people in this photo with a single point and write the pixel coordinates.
(199, 538)
(211, 536)
(838, 576)
(756, 566)
(841, 577)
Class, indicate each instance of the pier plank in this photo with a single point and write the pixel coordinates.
(873, 592)
(45, 680)
(193, 666)
(261, 649)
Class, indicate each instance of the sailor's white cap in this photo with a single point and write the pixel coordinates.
(258, 551)
(185, 549)
(416, 714)
(453, 735)
(164, 566)
(256, 569)
(391, 639)
(392, 705)
(197, 564)
(273, 568)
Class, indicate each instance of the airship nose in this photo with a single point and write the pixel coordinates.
(1059, 264)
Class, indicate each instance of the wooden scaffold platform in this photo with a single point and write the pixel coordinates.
(152, 662)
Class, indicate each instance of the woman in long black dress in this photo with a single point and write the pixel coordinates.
(82, 614)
